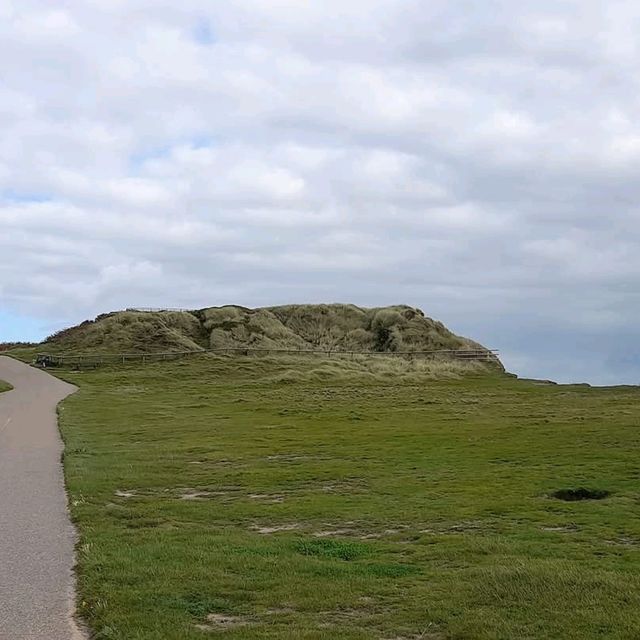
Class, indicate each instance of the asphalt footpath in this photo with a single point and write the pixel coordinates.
(36, 536)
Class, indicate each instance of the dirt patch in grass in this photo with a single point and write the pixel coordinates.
(275, 528)
(221, 622)
(334, 532)
(264, 497)
(340, 617)
(426, 635)
(280, 611)
(290, 458)
(192, 494)
(569, 528)
(624, 541)
(351, 485)
(120, 493)
(357, 530)
(467, 526)
(581, 493)
(374, 535)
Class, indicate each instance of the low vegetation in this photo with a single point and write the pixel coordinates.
(295, 327)
(5, 386)
(130, 332)
(262, 498)
(7, 346)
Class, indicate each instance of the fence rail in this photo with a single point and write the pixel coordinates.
(81, 361)
(156, 309)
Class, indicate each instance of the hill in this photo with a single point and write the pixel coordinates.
(325, 326)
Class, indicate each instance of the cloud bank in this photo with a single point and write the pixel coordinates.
(477, 160)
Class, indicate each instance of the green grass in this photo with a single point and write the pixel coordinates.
(5, 386)
(254, 499)
(25, 354)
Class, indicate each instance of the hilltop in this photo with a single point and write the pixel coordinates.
(341, 327)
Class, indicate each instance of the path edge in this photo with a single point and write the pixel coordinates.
(78, 626)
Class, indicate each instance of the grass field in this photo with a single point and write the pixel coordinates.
(263, 499)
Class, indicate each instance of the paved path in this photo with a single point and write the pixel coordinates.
(36, 536)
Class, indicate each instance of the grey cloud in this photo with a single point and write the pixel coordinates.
(481, 163)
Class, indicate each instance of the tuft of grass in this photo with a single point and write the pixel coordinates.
(337, 549)
(367, 369)
(368, 503)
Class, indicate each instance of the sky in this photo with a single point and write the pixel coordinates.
(479, 160)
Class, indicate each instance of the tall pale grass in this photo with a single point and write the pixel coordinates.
(372, 368)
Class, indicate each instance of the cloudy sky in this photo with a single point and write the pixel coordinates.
(480, 160)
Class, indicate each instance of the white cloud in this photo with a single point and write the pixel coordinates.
(261, 152)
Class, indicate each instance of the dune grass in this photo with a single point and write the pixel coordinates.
(130, 331)
(297, 327)
(263, 499)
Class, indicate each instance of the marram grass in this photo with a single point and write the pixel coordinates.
(336, 326)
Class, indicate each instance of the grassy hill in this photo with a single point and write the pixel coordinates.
(132, 332)
(332, 326)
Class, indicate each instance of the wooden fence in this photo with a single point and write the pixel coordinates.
(157, 309)
(95, 360)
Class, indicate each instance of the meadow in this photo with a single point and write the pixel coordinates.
(262, 498)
